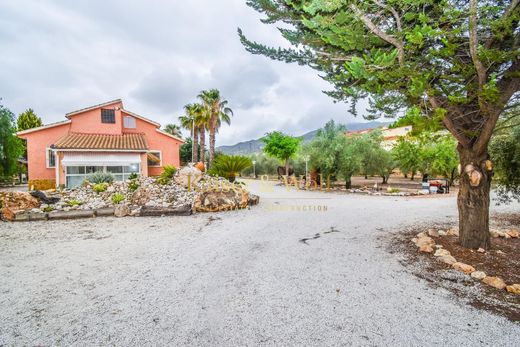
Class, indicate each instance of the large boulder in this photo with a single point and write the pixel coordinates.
(215, 199)
(188, 175)
(13, 202)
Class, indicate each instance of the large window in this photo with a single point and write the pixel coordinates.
(108, 116)
(50, 157)
(129, 122)
(75, 175)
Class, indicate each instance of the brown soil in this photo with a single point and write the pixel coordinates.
(493, 263)
(465, 288)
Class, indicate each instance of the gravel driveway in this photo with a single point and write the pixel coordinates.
(251, 277)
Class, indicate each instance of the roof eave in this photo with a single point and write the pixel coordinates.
(73, 113)
(43, 127)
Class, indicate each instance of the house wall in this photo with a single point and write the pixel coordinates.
(89, 122)
(169, 147)
(37, 142)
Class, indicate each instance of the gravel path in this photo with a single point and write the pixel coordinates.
(257, 277)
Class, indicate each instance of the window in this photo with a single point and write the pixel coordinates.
(50, 157)
(75, 175)
(108, 116)
(154, 158)
(129, 122)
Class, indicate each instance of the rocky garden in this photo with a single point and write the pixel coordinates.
(175, 192)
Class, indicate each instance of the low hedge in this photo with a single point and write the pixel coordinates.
(42, 184)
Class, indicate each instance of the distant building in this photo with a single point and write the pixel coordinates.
(390, 136)
(104, 137)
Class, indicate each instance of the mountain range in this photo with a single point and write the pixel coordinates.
(255, 146)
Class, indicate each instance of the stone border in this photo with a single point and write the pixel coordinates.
(426, 244)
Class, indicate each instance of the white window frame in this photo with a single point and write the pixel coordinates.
(132, 118)
(160, 157)
(47, 158)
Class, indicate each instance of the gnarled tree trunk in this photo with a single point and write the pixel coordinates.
(473, 199)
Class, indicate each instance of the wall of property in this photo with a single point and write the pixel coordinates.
(89, 122)
(37, 142)
(168, 146)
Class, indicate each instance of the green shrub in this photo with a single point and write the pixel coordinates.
(229, 166)
(393, 190)
(133, 185)
(48, 209)
(100, 187)
(117, 198)
(101, 177)
(168, 171)
(163, 180)
(133, 176)
(73, 202)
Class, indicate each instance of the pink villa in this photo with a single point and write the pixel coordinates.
(105, 138)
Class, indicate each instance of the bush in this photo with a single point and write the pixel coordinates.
(74, 202)
(101, 177)
(133, 176)
(117, 198)
(100, 187)
(42, 184)
(229, 166)
(133, 185)
(168, 171)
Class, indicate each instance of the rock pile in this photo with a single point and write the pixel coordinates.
(425, 243)
(189, 189)
(14, 202)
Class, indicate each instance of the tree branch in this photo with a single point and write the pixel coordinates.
(448, 123)
(394, 13)
(507, 13)
(473, 44)
(380, 33)
(507, 86)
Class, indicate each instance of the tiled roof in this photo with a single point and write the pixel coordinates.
(102, 141)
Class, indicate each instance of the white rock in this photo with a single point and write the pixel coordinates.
(479, 275)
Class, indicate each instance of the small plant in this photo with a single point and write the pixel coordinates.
(48, 209)
(168, 171)
(100, 187)
(229, 166)
(133, 185)
(73, 202)
(117, 198)
(101, 177)
(163, 180)
(393, 190)
(133, 176)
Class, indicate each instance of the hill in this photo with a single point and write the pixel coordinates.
(255, 146)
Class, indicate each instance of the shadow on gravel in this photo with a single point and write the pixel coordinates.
(465, 289)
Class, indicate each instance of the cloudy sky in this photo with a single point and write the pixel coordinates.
(59, 56)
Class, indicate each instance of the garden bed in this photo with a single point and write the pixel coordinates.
(186, 192)
(490, 281)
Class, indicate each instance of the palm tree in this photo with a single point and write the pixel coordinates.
(173, 129)
(188, 122)
(218, 112)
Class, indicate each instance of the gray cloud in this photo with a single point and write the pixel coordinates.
(156, 55)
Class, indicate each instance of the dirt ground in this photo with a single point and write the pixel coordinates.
(502, 260)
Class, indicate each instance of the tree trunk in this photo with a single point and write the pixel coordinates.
(413, 176)
(405, 175)
(211, 144)
(385, 179)
(473, 199)
(287, 167)
(202, 133)
(195, 147)
(348, 183)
